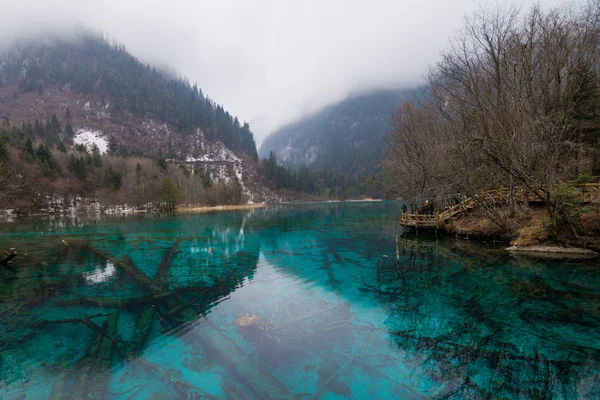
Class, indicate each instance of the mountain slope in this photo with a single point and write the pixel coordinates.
(64, 97)
(119, 85)
(346, 137)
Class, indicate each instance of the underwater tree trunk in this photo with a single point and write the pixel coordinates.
(140, 332)
(163, 269)
(126, 302)
(127, 266)
(88, 377)
(9, 256)
(97, 385)
(262, 383)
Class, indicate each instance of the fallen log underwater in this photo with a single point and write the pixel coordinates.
(89, 376)
(99, 375)
(438, 350)
(324, 386)
(261, 383)
(126, 266)
(45, 323)
(128, 302)
(8, 256)
(165, 265)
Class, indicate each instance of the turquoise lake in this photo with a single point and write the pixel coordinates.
(288, 302)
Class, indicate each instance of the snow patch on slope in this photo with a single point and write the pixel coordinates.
(207, 151)
(89, 138)
(238, 169)
(219, 162)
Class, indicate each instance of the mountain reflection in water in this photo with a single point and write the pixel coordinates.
(287, 302)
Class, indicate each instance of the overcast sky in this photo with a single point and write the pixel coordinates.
(267, 61)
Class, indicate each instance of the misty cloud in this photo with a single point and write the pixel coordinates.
(266, 61)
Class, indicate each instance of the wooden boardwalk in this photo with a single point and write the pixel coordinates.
(502, 196)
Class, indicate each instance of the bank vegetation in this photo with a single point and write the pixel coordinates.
(514, 101)
(31, 170)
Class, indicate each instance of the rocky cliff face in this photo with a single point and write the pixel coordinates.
(221, 164)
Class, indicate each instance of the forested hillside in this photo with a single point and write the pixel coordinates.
(514, 101)
(90, 66)
(347, 137)
(82, 118)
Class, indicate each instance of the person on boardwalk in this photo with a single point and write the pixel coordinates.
(457, 198)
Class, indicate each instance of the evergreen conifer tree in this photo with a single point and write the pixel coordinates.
(69, 129)
(113, 145)
(3, 151)
(168, 194)
(54, 125)
(77, 166)
(96, 157)
(28, 152)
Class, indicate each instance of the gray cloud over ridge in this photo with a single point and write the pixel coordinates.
(267, 61)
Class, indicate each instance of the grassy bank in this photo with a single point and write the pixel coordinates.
(531, 226)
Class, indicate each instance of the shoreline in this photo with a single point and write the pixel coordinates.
(124, 210)
(548, 250)
(552, 251)
(93, 208)
(208, 209)
(530, 238)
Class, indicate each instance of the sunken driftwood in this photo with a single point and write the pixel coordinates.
(8, 255)
(261, 382)
(127, 266)
(125, 302)
(88, 377)
(163, 268)
(552, 251)
(140, 332)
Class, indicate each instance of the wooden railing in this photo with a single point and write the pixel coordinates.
(590, 193)
(420, 220)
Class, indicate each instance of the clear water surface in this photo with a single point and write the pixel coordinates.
(288, 302)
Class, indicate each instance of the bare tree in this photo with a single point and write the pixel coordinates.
(504, 106)
(8, 186)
